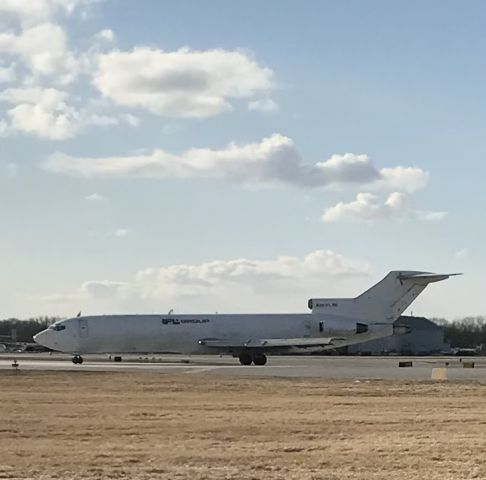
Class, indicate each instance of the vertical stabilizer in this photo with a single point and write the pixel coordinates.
(385, 301)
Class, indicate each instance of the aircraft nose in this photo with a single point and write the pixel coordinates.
(44, 338)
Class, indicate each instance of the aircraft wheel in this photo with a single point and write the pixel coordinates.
(259, 359)
(245, 359)
(77, 359)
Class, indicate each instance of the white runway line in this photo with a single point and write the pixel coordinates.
(201, 370)
(253, 368)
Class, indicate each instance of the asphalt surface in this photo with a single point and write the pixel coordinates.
(331, 367)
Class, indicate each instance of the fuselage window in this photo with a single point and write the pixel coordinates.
(321, 327)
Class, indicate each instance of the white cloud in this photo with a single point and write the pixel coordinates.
(11, 169)
(43, 48)
(347, 168)
(233, 285)
(35, 11)
(7, 74)
(182, 83)
(38, 54)
(274, 160)
(266, 105)
(367, 207)
(101, 120)
(106, 35)
(401, 178)
(95, 197)
(44, 112)
(5, 129)
(105, 289)
(129, 119)
(463, 253)
(172, 128)
(121, 232)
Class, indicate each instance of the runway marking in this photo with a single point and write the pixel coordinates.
(202, 369)
(66, 365)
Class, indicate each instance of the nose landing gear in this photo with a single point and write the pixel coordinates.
(255, 358)
(77, 359)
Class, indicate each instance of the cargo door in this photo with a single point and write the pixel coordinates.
(83, 327)
(307, 329)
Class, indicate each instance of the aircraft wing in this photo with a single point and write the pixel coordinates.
(269, 344)
(265, 343)
(381, 332)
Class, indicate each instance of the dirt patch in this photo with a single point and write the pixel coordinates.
(143, 426)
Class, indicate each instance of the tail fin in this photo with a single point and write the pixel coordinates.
(385, 301)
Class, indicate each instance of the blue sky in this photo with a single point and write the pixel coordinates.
(228, 156)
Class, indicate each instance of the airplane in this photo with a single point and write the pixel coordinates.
(332, 323)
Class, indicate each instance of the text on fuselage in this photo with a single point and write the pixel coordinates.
(179, 321)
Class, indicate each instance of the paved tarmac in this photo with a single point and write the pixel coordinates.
(331, 367)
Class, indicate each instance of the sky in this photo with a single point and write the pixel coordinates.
(239, 156)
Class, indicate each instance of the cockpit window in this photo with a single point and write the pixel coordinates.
(57, 328)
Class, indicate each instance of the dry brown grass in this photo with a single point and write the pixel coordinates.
(142, 426)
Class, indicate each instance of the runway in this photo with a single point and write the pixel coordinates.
(330, 367)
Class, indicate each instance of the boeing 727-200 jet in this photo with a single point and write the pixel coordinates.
(333, 323)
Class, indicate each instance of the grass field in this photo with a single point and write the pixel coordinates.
(141, 426)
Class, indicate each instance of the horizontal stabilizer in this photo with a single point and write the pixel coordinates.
(425, 277)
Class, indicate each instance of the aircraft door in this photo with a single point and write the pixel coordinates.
(83, 327)
(307, 328)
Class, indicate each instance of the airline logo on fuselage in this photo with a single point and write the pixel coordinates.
(179, 321)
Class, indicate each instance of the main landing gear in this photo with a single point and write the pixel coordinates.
(77, 359)
(255, 358)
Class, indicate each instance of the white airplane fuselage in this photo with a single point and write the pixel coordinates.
(181, 333)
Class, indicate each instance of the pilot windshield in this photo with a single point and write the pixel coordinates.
(57, 327)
